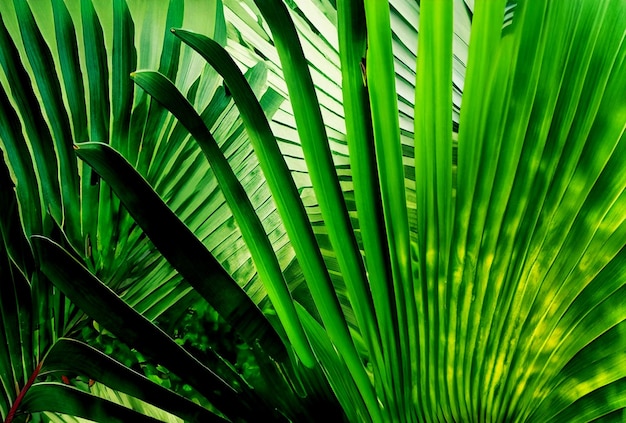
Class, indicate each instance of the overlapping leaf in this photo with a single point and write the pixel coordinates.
(497, 286)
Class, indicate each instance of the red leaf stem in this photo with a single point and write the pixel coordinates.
(22, 393)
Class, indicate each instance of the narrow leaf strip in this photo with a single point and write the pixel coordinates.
(95, 199)
(335, 368)
(289, 206)
(433, 180)
(97, 73)
(16, 149)
(45, 76)
(488, 58)
(360, 137)
(381, 78)
(164, 91)
(69, 61)
(35, 127)
(11, 231)
(181, 247)
(320, 165)
(124, 61)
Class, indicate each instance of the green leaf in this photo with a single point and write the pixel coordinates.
(289, 205)
(433, 178)
(104, 306)
(171, 46)
(320, 165)
(18, 156)
(44, 72)
(17, 360)
(251, 227)
(181, 247)
(97, 73)
(514, 266)
(359, 133)
(36, 130)
(94, 198)
(14, 239)
(338, 373)
(124, 61)
(70, 356)
(381, 84)
(68, 55)
(50, 396)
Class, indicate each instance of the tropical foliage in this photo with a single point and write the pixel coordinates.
(384, 235)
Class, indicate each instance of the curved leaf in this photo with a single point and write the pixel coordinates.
(252, 229)
(289, 205)
(381, 84)
(181, 247)
(50, 396)
(76, 357)
(320, 165)
(104, 306)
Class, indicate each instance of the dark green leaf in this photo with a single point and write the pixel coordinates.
(289, 205)
(69, 356)
(36, 129)
(181, 247)
(251, 227)
(104, 306)
(49, 396)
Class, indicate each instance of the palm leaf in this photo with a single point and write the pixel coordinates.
(104, 306)
(55, 91)
(71, 356)
(492, 286)
(494, 192)
(261, 250)
(68, 400)
(182, 249)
